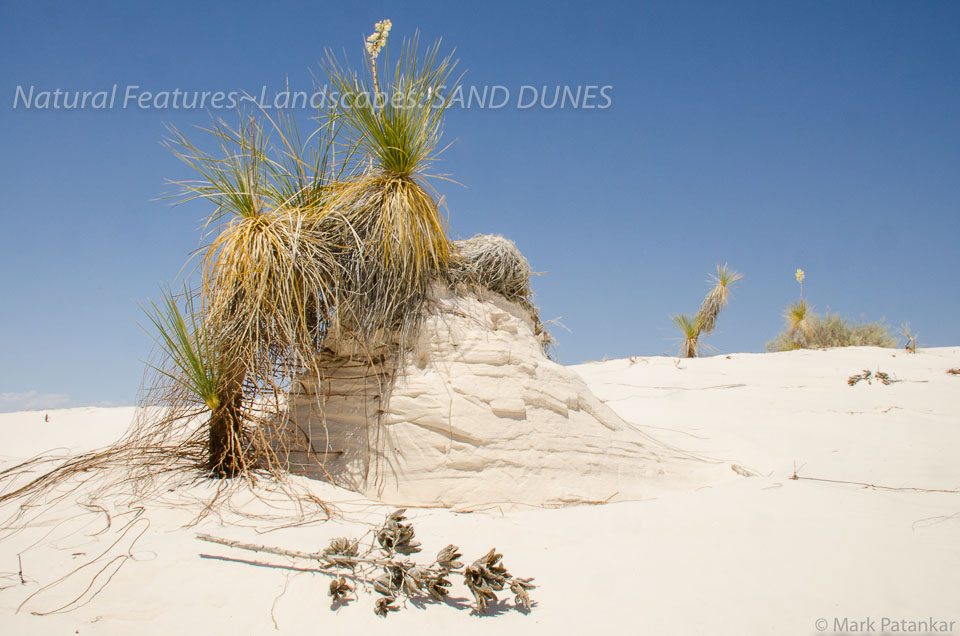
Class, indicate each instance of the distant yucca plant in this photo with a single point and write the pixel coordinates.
(705, 321)
(807, 330)
(798, 319)
(717, 298)
(690, 328)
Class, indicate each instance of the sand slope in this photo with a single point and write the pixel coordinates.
(751, 555)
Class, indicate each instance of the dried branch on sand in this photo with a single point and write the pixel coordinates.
(385, 567)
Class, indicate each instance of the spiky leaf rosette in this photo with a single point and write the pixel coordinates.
(194, 361)
(717, 298)
(798, 318)
(399, 127)
(690, 328)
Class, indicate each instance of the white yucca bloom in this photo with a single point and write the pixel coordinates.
(378, 39)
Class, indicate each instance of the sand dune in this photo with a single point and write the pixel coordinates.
(763, 554)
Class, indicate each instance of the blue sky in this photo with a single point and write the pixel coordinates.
(821, 135)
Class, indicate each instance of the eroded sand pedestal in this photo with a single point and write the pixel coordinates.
(475, 414)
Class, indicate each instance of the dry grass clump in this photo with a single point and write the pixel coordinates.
(910, 336)
(808, 330)
(492, 263)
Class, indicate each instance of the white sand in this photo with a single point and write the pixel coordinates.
(478, 414)
(757, 555)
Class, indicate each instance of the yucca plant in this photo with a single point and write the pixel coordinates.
(717, 298)
(395, 127)
(197, 365)
(690, 328)
(705, 321)
(270, 274)
(798, 319)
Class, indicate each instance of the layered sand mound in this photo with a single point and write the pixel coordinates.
(475, 414)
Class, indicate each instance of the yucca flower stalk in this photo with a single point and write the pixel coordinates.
(690, 328)
(717, 298)
(800, 275)
(376, 41)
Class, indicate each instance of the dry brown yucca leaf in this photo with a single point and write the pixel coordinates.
(385, 605)
(384, 585)
(394, 536)
(438, 586)
(447, 558)
(519, 587)
(342, 546)
(339, 589)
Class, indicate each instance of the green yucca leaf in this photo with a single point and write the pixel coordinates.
(249, 174)
(400, 126)
(690, 328)
(235, 179)
(195, 361)
(797, 316)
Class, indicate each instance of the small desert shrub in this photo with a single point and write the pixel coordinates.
(812, 331)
